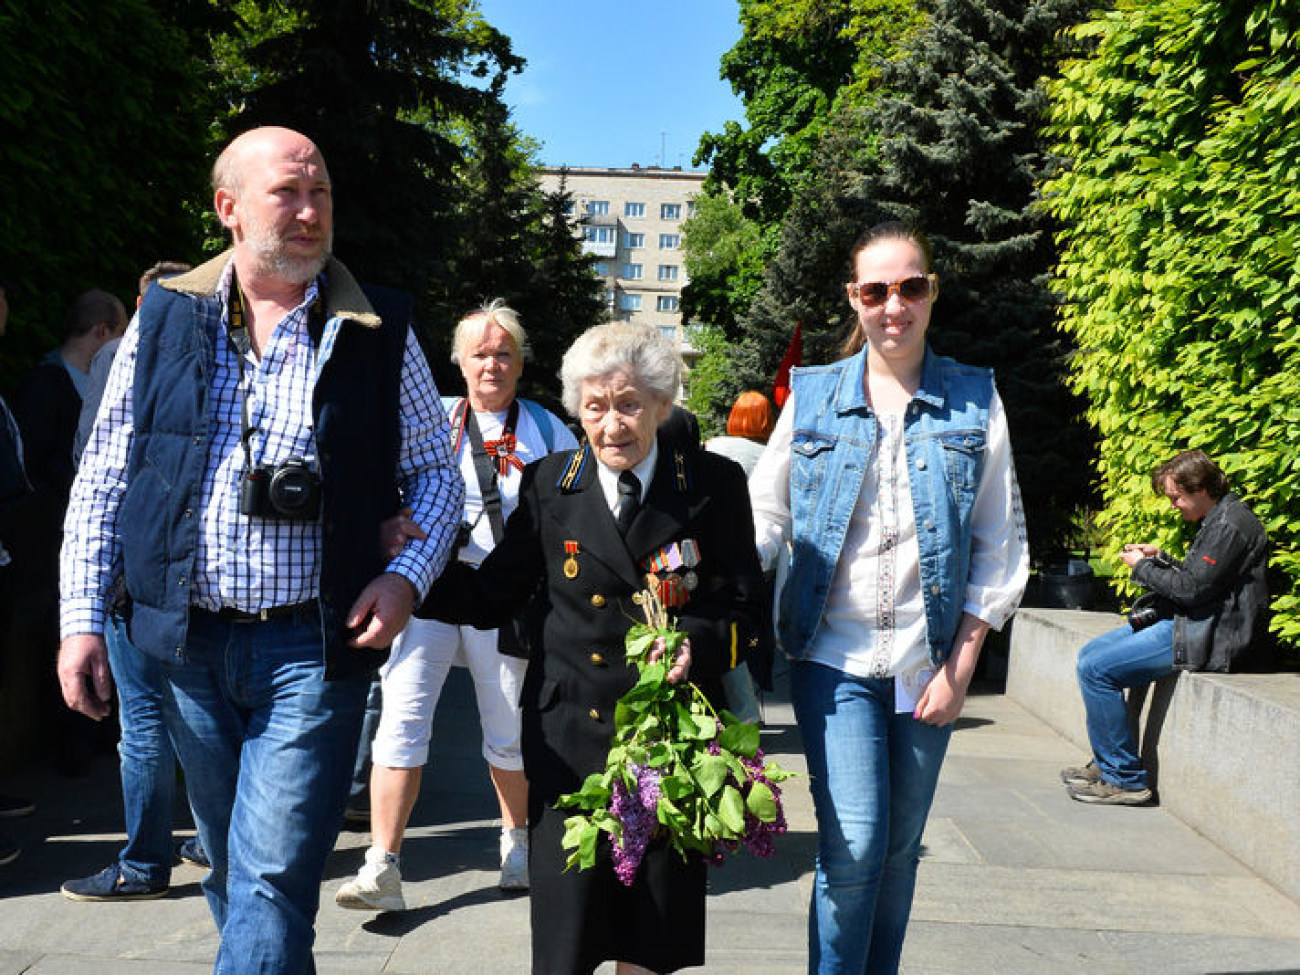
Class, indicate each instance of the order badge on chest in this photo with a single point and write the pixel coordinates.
(670, 572)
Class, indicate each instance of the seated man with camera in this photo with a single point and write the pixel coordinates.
(1203, 613)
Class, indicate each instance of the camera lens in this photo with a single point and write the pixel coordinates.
(292, 490)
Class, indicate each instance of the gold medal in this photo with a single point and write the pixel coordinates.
(571, 563)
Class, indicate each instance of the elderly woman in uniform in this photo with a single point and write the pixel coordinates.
(591, 525)
(495, 434)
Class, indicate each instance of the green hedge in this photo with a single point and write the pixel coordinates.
(1180, 198)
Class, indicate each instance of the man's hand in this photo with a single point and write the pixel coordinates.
(1133, 554)
(381, 611)
(394, 533)
(84, 675)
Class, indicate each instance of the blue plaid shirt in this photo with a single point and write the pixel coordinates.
(249, 563)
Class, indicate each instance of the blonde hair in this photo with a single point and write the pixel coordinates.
(495, 312)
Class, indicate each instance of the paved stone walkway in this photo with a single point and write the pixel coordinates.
(1016, 879)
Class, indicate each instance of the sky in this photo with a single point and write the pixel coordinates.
(614, 83)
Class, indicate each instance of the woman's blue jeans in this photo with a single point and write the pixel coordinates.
(268, 746)
(873, 774)
(1106, 666)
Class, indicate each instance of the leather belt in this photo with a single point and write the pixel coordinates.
(295, 611)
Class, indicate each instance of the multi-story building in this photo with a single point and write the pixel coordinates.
(631, 221)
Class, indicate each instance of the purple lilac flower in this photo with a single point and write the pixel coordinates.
(637, 814)
(758, 834)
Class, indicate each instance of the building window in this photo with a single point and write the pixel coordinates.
(632, 272)
(632, 241)
(599, 235)
(601, 268)
(690, 208)
(667, 272)
(667, 303)
(598, 208)
(629, 302)
(670, 242)
(670, 211)
(634, 209)
(668, 331)
(568, 208)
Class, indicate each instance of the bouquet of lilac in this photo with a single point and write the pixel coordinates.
(676, 769)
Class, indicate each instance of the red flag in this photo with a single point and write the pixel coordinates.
(793, 357)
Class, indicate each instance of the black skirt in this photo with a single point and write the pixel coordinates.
(581, 918)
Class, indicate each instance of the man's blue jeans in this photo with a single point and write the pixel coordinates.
(1106, 666)
(267, 745)
(872, 773)
(148, 762)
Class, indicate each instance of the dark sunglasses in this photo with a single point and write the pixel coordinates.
(875, 293)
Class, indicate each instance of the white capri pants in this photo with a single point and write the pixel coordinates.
(413, 678)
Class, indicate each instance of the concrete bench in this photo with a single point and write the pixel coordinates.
(1223, 750)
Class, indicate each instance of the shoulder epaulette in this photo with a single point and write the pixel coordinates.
(573, 469)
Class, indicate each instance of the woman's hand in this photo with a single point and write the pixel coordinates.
(681, 666)
(941, 701)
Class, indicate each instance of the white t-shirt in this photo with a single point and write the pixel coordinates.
(530, 446)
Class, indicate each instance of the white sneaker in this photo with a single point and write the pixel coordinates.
(514, 859)
(376, 887)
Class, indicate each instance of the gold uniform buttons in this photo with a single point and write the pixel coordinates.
(597, 658)
(593, 714)
(597, 600)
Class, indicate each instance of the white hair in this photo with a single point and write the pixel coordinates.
(471, 328)
(639, 350)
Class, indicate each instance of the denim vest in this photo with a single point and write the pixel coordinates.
(945, 429)
(355, 416)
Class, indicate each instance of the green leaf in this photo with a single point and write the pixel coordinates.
(639, 639)
(731, 810)
(761, 803)
(741, 738)
(710, 771)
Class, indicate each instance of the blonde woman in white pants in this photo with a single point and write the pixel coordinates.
(494, 432)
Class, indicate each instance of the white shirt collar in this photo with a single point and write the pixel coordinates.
(644, 471)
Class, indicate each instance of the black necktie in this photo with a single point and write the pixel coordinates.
(629, 500)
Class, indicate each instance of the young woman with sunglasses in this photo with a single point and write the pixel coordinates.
(890, 474)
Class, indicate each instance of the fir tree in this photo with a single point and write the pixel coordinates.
(954, 147)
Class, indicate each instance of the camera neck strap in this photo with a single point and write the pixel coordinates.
(490, 465)
(242, 344)
(237, 333)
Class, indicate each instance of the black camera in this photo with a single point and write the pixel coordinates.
(463, 533)
(1147, 609)
(289, 489)
(1140, 617)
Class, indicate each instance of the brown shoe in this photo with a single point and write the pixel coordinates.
(1102, 793)
(1081, 774)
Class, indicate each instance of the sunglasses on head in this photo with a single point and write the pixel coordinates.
(875, 293)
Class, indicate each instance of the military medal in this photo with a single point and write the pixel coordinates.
(652, 582)
(671, 590)
(690, 550)
(571, 563)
